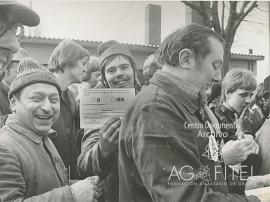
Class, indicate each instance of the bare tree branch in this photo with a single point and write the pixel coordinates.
(242, 15)
(222, 18)
(202, 9)
(215, 18)
(192, 5)
(205, 6)
(244, 5)
(231, 20)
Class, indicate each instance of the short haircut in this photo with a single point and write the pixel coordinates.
(237, 78)
(66, 54)
(92, 66)
(193, 37)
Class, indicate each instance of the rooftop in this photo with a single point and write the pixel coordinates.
(133, 47)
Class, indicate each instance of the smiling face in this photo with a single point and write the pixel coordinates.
(38, 106)
(119, 73)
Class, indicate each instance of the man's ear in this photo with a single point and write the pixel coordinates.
(185, 58)
(12, 105)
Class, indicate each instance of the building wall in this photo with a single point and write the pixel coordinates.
(41, 52)
(247, 64)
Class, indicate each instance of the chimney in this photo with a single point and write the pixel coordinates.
(153, 24)
(192, 16)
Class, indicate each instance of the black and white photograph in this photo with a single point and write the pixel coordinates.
(134, 101)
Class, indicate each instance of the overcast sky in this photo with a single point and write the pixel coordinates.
(125, 21)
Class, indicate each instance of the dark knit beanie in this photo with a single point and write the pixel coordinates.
(110, 48)
(30, 72)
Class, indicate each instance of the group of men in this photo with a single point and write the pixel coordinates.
(170, 146)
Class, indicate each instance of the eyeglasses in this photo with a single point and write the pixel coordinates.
(6, 24)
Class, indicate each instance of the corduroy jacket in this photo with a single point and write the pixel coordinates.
(90, 163)
(164, 148)
(30, 167)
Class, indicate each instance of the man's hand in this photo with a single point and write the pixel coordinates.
(234, 152)
(109, 134)
(255, 182)
(87, 190)
(239, 121)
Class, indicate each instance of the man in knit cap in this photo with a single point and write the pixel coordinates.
(99, 155)
(31, 168)
(67, 63)
(8, 76)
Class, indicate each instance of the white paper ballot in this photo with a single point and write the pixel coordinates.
(99, 105)
(262, 193)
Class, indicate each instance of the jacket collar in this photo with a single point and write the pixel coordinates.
(14, 123)
(228, 111)
(185, 93)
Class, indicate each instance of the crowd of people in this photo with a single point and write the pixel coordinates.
(188, 135)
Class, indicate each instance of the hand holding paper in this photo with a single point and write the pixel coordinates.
(109, 136)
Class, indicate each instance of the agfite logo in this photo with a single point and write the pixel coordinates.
(187, 175)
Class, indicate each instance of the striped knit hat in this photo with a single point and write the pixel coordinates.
(30, 72)
(109, 48)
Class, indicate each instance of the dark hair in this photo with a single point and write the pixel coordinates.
(193, 37)
(237, 78)
(137, 84)
(66, 53)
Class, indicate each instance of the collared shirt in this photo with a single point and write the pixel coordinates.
(186, 86)
(30, 165)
